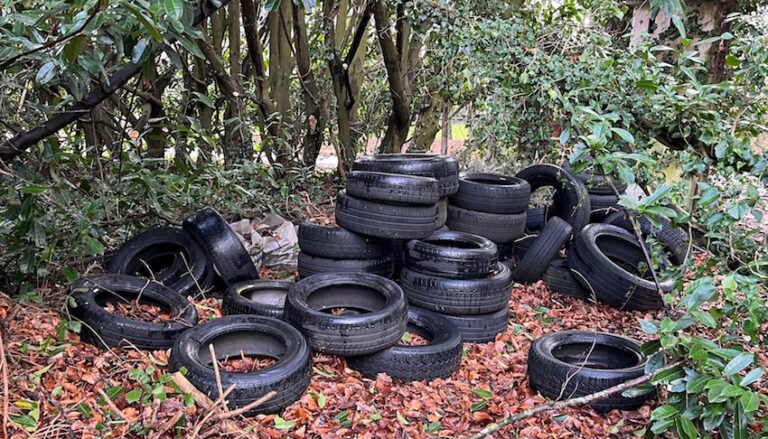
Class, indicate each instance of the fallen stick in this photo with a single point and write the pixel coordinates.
(582, 400)
(250, 406)
(216, 372)
(169, 424)
(112, 406)
(203, 401)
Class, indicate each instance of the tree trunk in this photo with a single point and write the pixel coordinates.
(313, 139)
(446, 126)
(235, 53)
(427, 126)
(280, 69)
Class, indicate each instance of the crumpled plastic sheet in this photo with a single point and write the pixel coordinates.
(271, 241)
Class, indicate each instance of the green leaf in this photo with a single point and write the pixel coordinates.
(46, 73)
(750, 401)
(624, 134)
(739, 363)
(647, 84)
(648, 327)
(732, 61)
(406, 338)
(133, 396)
(33, 189)
(94, 246)
(70, 274)
(74, 48)
(271, 5)
(657, 195)
(138, 50)
(174, 8)
(679, 25)
(190, 46)
(282, 424)
(205, 100)
(402, 419)
(704, 318)
(148, 25)
(685, 428)
(751, 377)
(478, 405)
(696, 384)
(663, 412)
(485, 394)
(709, 196)
(433, 427)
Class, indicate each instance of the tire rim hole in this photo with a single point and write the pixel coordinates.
(350, 299)
(134, 306)
(415, 335)
(246, 363)
(453, 243)
(625, 254)
(240, 350)
(266, 296)
(501, 181)
(595, 356)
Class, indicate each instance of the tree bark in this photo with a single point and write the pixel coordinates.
(399, 119)
(315, 122)
(235, 52)
(280, 69)
(427, 126)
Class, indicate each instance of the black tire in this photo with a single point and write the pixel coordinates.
(262, 297)
(559, 279)
(397, 247)
(600, 215)
(252, 335)
(100, 327)
(481, 328)
(379, 303)
(336, 242)
(452, 254)
(310, 265)
(442, 213)
(393, 188)
(597, 183)
(572, 364)
(536, 218)
(602, 201)
(571, 200)
(673, 239)
(492, 193)
(222, 245)
(458, 296)
(609, 267)
(157, 254)
(392, 221)
(443, 168)
(542, 250)
(440, 358)
(500, 229)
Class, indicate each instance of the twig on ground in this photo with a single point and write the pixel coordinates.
(169, 424)
(112, 406)
(215, 363)
(582, 400)
(203, 401)
(248, 407)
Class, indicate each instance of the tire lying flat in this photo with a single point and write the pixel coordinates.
(393, 188)
(221, 243)
(542, 250)
(100, 327)
(164, 255)
(252, 335)
(606, 260)
(392, 221)
(571, 364)
(440, 358)
(443, 168)
(258, 297)
(458, 296)
(481, 328)
(571, 199)
(559, 279)
(492, 193)
(500, 229)
(310, 265)
(452, 254)
(375, 318)
(336, 242)
(674, 239)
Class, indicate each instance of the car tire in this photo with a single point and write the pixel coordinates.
(310, 265)
(542, 250)
(452, 254)
(481, 328)
(234, 335)
(559, 279)
(443, 168)
(89, 296)
(392, 188)
(222, 245)
(602, 201)
(379, 302)
(597, 183)
(492, 193)
(440, 358)
(442, 213)
(258, 297)
(571, 199)
(500, 229)
(393, 221)
(458, 296)
(673, 239)
(336, 242)
(573, 364)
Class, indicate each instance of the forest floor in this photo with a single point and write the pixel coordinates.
(56, 383)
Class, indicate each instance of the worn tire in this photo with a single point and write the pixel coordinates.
(542, 250)
(570, 201)
(481, 328)
(597, 201)
(440, 358)
(380, 323)
(262, 297)
(392, 221)
(222, 245)
(392, 188)
(572, 364)
(252, 335)
(458, 296)
(310, 265)
(160, 251)
(442, 214)
(338, 243)
(443, 168)
(536, 218)
(492, 193)
(597, 183)
(621, 286)
(559, 279)
(673, 239)
(453, 255)
(500, 229)
(100, 327)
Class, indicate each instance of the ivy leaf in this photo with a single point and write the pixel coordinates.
(738, 364)
(133, 396)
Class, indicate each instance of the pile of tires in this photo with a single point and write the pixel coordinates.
(604, 191)
(458, 275)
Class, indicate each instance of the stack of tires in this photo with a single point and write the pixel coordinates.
(327, 249)
(602, 189)
(457, 274)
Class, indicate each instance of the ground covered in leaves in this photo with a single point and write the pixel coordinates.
(57, 385)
